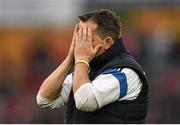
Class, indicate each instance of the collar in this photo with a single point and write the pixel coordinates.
(115, 50)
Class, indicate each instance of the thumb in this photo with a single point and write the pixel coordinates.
(97, 48)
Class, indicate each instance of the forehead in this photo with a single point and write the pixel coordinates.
(90, 24)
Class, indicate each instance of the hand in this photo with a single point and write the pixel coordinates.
(70, 56)
(84, 48)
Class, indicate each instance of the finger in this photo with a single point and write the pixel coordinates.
(73, 43)
(97, 48)
(80, 24)
(89, 35)
(84, 35)
(75, 32)
(80, 34)
(76, 29)
(76, 37)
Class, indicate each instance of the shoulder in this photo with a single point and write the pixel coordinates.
(126, 79)
(117, 70)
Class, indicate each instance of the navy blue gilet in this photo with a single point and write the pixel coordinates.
(134, 111)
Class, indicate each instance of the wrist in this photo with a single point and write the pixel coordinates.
(82, 58)
(69, 62)
(82, 67)
(80, 61)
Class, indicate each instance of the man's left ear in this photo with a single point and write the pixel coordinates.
(109, 41)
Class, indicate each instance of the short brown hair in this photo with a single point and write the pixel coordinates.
(107, 21)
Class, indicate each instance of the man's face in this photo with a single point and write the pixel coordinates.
(95, 37)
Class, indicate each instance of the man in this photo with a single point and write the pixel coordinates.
(107, 84)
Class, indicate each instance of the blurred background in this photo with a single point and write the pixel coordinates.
(35, 36)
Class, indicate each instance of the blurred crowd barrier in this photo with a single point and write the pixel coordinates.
(29, 54)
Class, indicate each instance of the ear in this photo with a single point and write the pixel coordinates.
(109, 41)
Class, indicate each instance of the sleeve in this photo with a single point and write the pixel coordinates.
(112, 85)
(84, 98)
(61, 100)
